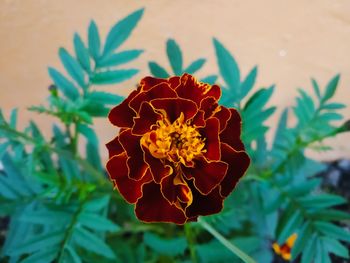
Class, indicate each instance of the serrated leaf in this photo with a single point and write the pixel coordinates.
(175, 56)
(68, 89)
(96, 109)
(171, 247)
(72, 67)
(157, 70)
(119, 58)
(94, 41)
(195, 66)
(228, 68)
(121, 31)
(332, 230)
(104, 97)
(92, 242)
(97, 222)
(248, 83)
(113, 76)
(36, 243)
(334, 246)
(211, 79)
(331, 88)
(81, 52)
(321, 201)
(258, 100)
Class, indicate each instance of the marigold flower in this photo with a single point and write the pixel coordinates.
(285, 250)
(178, 154)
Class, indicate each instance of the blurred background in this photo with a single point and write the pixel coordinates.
(290, 41)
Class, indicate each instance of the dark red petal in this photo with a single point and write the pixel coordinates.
(208, 105)
(198, 119)
(122, 115)
(146, 117)
(118, 173)
(149, 82)
(174, 189)
(174, 82)
(114, 147)
(152, 207)
(162, 90)
(238, 164)
(159, 170)
(205, 204)
(174, 106)
(190, 88)
(223, 115)
(206, 175)
(212, 143)
(131, 144)
(232, 133)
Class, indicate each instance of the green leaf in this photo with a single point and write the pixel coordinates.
(290, 227)
(97, 222)
(157, 70)
(331, 88)
(175, 56)
(228, 68)
(309, 250)
(248, 83)
(171, 247)
(332, 230)
(92, 242)
(321, 201)
(92, 150)
(97, 204)
(330, 215)
(334, 246)
(43, 256)
(195, 66)
(113, 76)
(37, 243)
(119, 58)
(316, 88)
(304, 236)
(68, 89)
(104, 97)
(121, 31)
(96, 109)
(304, 188)
(211, 79)
(94, 41)
(72, 67)
(281, 128)
(72, 254)
(81, 52)
(333, 106)
(13, 118)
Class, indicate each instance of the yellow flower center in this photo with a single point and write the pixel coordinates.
(177, 142)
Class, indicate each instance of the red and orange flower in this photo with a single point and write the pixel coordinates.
(178, 153)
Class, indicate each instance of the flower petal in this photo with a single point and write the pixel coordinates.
(136, 164)
(208, 105)
(114, 147)
(212, 143)
(190, 88)
(158, 169)
(232, 133)
(223, 115)
(206, 175)
(149, 82)
(152, 207)
(238, 164)
(175, 189)
(174, 106)
(162, 90)
(118, 173)
(146, 117)
(122, 115)
(198, 119)
(205, 204)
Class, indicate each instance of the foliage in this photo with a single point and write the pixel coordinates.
(61, 206)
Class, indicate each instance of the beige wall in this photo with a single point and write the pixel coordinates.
(290, 40)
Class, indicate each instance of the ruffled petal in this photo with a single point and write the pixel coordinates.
(136, 164)
(122, 115)
(238, 164)
(208, 105)
(118, 173)
(205, 204)
(212, 143)
(206, 175)
(232, 133)
(223, 115)
(190, 88)
(158, 169)
(162, 90)
(175, 189)
(174, 106)
(198, 120)
(114, 147)
(153, 207)
(149, 82)
(146, 118)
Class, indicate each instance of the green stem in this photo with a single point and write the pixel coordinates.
(235, 250)
(191, 242)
